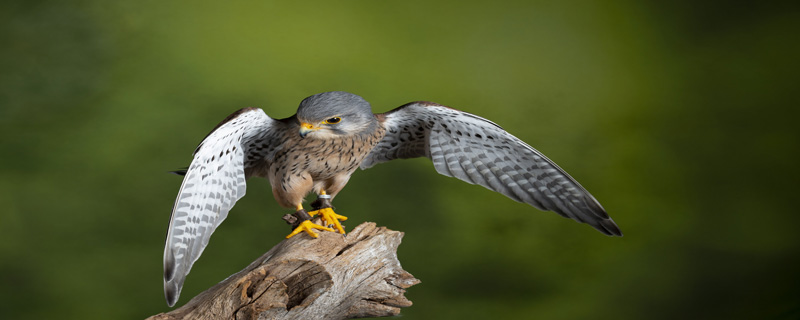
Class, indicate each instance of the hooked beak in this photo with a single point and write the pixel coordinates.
(305, 128)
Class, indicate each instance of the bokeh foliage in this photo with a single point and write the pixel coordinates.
(680, 117)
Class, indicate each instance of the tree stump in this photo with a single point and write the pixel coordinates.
(333, 277)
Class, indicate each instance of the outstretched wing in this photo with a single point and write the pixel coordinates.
(214, 181)
(477, 151)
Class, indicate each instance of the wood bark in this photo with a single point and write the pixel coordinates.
(332, 277)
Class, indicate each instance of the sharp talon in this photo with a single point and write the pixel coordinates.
(308, 227)
(330, 217)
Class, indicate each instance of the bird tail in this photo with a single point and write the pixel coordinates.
(180, 172)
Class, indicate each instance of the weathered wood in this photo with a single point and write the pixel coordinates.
(333, 277)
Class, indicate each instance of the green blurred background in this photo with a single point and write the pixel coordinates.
(680, 117)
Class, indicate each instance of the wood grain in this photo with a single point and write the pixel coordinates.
(333, 277)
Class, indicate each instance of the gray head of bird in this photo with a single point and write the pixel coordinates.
(335, 113)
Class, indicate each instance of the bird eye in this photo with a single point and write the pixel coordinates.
(333, 120)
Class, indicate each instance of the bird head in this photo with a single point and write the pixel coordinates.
(335, 113)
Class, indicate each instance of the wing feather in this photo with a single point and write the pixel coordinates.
(213, 182)
(478, 151)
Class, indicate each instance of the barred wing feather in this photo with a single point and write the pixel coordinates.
(476, 150)
(213, 183)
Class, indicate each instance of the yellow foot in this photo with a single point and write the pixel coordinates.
(330, 217)
(308, 227)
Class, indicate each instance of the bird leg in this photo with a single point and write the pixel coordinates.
(305, 224)
(323, 201)
(324, 208)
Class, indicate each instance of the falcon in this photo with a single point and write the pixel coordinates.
(331, 135)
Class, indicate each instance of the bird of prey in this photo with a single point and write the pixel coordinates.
(333, 134)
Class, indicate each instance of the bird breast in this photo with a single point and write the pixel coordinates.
(322, 158)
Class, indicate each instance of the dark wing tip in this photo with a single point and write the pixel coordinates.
(171, 290)
(171, 293)
(169, 269)
(604, 223)
(608, 227)
(595, 206)
(171, 287)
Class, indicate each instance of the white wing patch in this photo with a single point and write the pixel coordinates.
(476, 150)
(213, 183)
